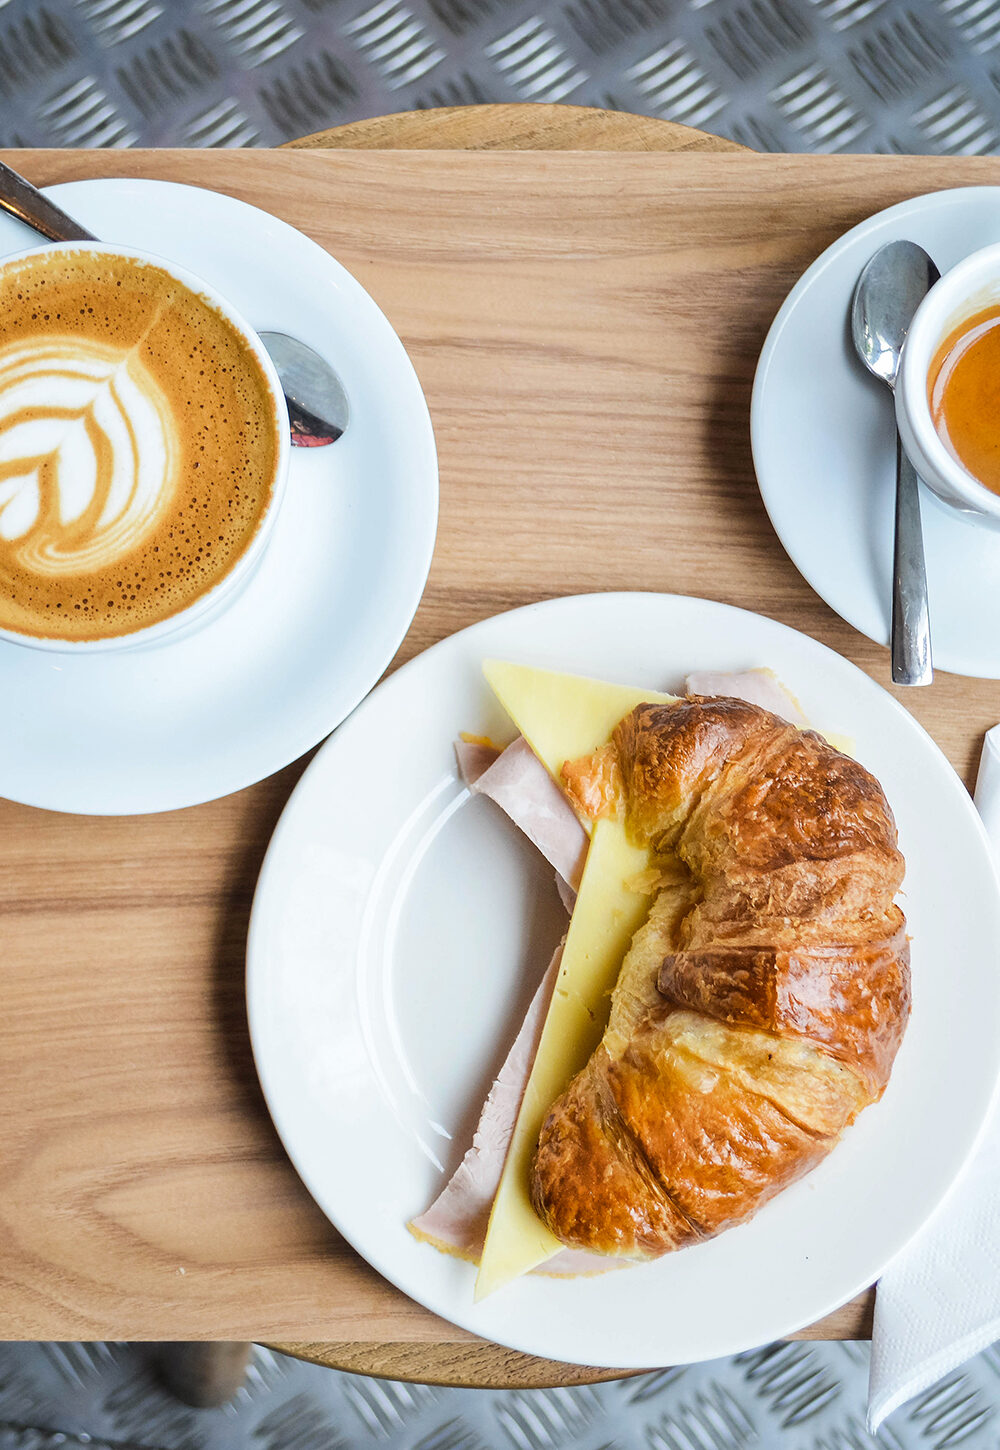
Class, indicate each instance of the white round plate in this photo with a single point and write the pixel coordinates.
(823, 433)
(197, 717)
(401, 924)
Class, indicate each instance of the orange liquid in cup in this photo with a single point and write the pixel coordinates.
(963, 390)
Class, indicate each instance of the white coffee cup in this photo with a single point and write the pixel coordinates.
(968, 288)
(225, 589)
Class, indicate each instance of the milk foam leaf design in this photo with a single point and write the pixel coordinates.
(87, 460)
(19, 504)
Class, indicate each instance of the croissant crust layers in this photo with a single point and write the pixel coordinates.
(759, 1009)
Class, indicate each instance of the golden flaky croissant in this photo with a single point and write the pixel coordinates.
(761, 1006)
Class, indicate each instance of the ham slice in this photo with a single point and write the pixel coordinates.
(521, 786)
(474, 759)
(757, 687)
(517, 781)
(456, 1220)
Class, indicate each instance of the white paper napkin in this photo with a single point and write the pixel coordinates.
(938, 1302)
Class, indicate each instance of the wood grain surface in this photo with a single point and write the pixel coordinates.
(586, 328)
(513, 127)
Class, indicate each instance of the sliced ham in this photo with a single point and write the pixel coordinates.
(521, 786)
(758, 687)
(474, 759)
(456, 1220)
(575, 1263)
(517, 781)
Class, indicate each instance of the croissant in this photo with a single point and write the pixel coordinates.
(760, 1007)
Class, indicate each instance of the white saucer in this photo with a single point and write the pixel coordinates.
(207, 714)
(824, 451)
(400, 926)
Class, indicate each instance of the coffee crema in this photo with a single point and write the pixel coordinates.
(963, 390)
(138, 445)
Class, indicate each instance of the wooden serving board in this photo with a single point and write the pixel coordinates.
(586, 328)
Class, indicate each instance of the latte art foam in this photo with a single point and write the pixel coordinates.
(87, 455)
(138, 445)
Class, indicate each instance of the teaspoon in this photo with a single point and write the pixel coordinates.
(888, 293)
(318, 410)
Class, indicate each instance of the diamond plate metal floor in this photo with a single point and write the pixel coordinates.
(794, 75)
(786, 1397)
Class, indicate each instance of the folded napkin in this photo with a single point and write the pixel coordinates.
(938, 1302)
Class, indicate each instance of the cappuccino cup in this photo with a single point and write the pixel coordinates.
(143, 448)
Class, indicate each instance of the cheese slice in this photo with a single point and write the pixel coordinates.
(563, 717)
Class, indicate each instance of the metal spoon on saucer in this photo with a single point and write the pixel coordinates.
(318, 410)
(888, 293)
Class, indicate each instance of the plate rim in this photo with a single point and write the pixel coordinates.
(261, 905)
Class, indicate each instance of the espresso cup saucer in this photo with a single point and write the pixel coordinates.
(823, 434)
(217, 707)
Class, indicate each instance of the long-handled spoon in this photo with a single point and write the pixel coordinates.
(318, 409)
(888, 293)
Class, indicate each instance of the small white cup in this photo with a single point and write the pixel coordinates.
(968, 288)
(225, 589)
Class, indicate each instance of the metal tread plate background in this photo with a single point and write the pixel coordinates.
(790, 75)
(784, 1397)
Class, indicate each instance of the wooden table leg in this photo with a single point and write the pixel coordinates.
(205, 1375)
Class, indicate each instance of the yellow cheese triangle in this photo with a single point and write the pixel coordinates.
(606, 916)
(563, 717)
